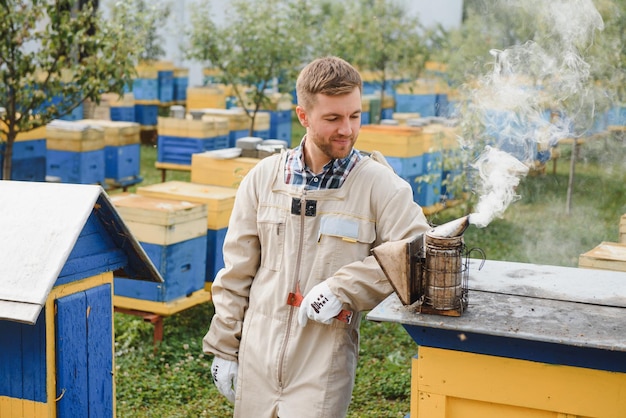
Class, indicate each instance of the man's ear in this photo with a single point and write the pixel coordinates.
(302, 116)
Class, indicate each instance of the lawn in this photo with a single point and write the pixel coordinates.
(175, 380)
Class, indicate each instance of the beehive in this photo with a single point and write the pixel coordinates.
(226, 172)
(173, 234)
(58, 360)
(74, 136)
(211, 96)
(394, 141)
(219, 201)
(117, 133)
(207, 127)
(605, 256)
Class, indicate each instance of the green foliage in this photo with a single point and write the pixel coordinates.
(143, 21)
(249, 52)
(52, 50)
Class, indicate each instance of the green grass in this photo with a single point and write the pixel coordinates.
(175, 380)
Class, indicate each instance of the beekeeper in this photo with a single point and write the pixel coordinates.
(298, 269)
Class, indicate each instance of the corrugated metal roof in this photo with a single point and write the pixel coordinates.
(39, 226)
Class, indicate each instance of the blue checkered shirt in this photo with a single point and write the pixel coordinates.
(332, 176)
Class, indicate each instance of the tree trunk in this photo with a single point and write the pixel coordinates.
(7, 163)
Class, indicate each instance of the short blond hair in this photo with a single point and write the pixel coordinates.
(331, 76)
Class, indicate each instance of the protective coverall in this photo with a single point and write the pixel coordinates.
(277, 244)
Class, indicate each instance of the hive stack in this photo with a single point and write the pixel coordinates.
(206, 168)
(412, 153)
(179, 139)
(239, 123)
(75, 152)
(28, 162)
(219, 202)
(121, 151)
(173, 234)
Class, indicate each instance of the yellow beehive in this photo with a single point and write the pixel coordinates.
(443, 137)
(117, 133)
(622, 229)
(207, 127)
(402, 117)
(37, 133)
(395, 141)
(226, 172)
(218, 200)
(450, 383)
(606, 256)
(161, 221)
(365, 103)
(211, 96)
(238, 120)
(64, 135)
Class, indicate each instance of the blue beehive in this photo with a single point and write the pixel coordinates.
(173, 234)
(56, 279)
(29, 156)
(121, 151)
(75, 152)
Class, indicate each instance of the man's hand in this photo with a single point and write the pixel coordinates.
(320, 304)
(224, 374)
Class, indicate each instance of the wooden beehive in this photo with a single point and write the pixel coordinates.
(394, 141)
(56, 279)
(212, 96)
(207, 127)
(219, 201)
(117, 133)
(74, 136)
(206, 168)
(605, 256)
(173, 234)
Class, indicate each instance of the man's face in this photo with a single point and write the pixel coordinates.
(332, 125)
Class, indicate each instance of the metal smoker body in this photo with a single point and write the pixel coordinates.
(429, 271)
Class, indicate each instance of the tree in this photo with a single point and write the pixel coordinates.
(375, 35)
(142, 22)
(260, 41)
(54, 56)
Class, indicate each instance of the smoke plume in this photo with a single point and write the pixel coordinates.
(531, 99)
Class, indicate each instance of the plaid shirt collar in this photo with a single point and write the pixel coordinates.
(333, 174)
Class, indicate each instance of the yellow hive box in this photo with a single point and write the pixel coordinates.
(218, 200)
(117, 133)
(212, 96)
(443, 137)
(622, 229)
(402, 117)
(395, 141)
(606, 256)
(238, 120)
(64, 135)
(388, 102)
(208, 127)
(115, 100)
(227, 172)
(33, 134)
(449, 383)
(161, 221)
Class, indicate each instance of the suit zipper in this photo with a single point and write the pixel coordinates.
(294, 287)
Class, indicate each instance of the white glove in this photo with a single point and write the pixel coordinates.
(320, 304)
(225, 377)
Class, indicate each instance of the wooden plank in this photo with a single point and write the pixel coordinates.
(226, 172)
(137, 208)
(100, 350)
(605, 256)
(72, 356)
(163, 308)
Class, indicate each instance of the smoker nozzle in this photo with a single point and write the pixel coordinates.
(451, 229)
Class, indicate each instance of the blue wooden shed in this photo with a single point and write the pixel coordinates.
(61, 246)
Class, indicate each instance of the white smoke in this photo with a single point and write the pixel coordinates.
(521, 103)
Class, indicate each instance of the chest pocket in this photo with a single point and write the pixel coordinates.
(342, 240)
(271, 227)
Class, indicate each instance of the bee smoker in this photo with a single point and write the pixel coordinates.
(429, 271)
